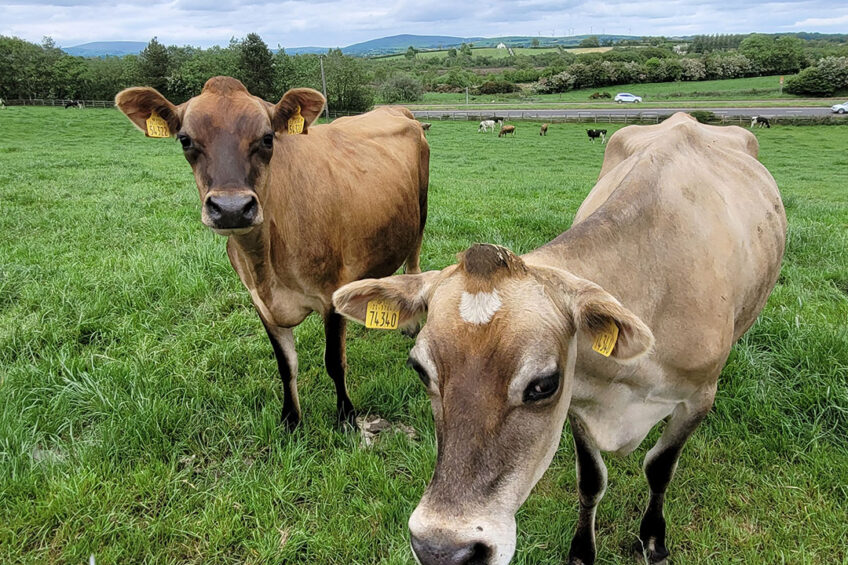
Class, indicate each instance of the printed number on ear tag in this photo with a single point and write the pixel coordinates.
(296, 123)
(605, 341)
(380, 315)
(157, 127)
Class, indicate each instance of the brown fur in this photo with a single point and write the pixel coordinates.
(346, 201)
(505, 130)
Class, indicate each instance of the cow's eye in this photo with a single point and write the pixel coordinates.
(422, 374)
(542, 387)
(184, 140)
(268, 141)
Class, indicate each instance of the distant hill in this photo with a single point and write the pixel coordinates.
(106, 48)
(398, 43)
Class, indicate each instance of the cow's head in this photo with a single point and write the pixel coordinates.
(228, 137)
(497, 357)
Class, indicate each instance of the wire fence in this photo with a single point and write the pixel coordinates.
(794, 117)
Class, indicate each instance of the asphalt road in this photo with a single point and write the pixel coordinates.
(619, 112)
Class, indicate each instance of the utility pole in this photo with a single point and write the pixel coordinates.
(324, 84)
(466, 96)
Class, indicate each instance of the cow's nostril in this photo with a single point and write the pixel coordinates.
(250, 209)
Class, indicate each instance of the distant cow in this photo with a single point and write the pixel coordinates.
(505, 130)
(487, 125)
(621, 322)
(73, 104)
(596, 133)
(760, 121)
(306, 209)
(426, 126)
(544, 130)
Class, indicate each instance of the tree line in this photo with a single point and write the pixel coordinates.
(29, 70)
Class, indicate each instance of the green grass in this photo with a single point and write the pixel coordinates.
(761, 90)
(139, 400)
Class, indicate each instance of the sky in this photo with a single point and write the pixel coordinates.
(334, 23)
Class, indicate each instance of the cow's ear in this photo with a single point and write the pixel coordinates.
(615, 331)
(405, 294)
(139, 103)
(297, 104)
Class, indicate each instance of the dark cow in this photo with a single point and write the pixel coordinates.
(596, 133)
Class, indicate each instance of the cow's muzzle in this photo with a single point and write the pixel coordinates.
(231, 212)
(446, 552)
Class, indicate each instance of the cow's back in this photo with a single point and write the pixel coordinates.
(357, 200)
(687, 229)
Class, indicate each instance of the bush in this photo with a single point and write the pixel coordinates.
(598, 95)
(811, 81)
(704, 116)
(496, 87)
(401, 88)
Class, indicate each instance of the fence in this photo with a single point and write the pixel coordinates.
(577, 116)
(57, 102)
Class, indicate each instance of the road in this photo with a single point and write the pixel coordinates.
(619, 112)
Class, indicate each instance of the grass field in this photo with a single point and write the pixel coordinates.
(762, 89)
(503, 53)
(139, 398)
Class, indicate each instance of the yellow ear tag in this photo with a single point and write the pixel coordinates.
(380, 315)
(157, 127)
(296, 122)
(605, 341)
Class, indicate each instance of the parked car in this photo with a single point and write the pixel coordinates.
(839, 108)
(627, 97)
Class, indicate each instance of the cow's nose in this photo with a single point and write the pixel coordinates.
(231, 211)
(431, 552)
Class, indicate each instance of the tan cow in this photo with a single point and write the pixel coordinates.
(505, 130)
(543, 130)
(622, 321)
(304, 213)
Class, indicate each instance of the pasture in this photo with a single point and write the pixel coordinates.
(764, 90)
(140, 402)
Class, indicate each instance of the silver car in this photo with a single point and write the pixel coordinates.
(839, 108)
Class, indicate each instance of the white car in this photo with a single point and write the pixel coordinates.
(839, 108)
(627, 97)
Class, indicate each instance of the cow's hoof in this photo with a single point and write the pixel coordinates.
(649, 555)
(291, 420)
(346, 417)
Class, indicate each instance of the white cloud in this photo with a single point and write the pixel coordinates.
(333, 23)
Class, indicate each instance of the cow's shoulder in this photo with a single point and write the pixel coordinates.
(680, 136)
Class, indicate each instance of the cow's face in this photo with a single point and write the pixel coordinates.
(228, 137)
(497, 357)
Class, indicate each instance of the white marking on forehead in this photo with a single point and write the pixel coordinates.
(479, 308)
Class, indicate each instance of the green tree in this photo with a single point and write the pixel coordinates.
(348, 83)
(154, 65)
(411, 53)
(591, 41)
(535, 43)
(256, 66)
(401, 88)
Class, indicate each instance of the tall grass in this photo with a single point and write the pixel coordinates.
(139, 400)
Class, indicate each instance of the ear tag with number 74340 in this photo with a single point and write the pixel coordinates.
(381, 315)
(605, 341)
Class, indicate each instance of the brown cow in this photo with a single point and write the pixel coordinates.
(505, 130)
(544, 130)
(622, 321)
(304, 214)
(426, 126)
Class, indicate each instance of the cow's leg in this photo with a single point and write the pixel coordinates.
(659, 466)
(282, 340)
(591, 485)
(335, 360)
